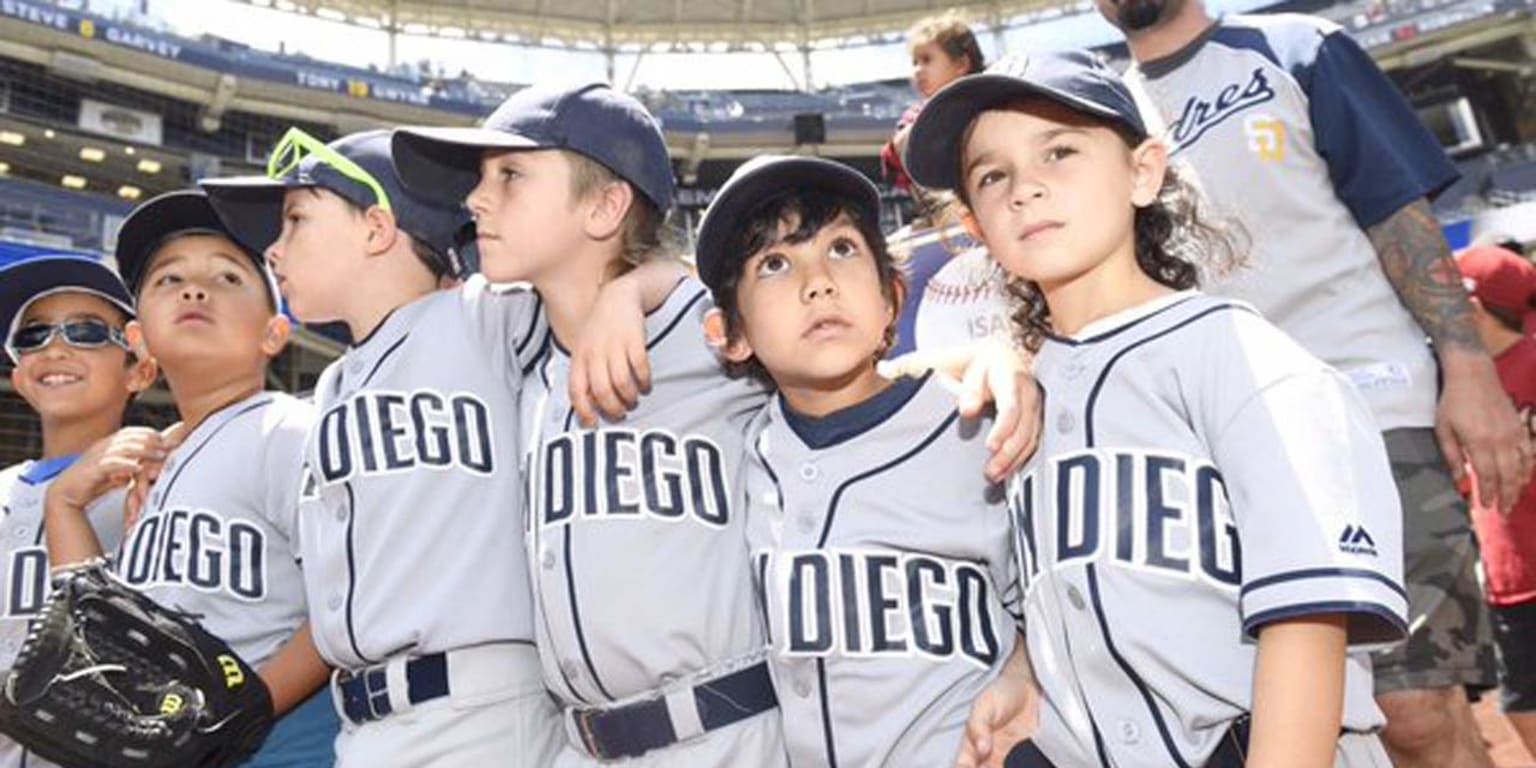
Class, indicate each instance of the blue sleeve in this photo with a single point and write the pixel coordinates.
(1379, 156)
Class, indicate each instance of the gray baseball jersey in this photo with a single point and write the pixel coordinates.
(637, 541)
(1199, 475)
(216, 535)
(24, 578)
(882, 556)
(1292, 130)
(412, 524)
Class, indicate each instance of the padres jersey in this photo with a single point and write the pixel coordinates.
(24, 577)
(882, 555)
(1199, 475)
(1292, 130)
(216, 535)
(412, 523)
(640, 565)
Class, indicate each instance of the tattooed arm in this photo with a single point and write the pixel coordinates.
(1475, 422)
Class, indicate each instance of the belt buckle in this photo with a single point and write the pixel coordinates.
(584, 718)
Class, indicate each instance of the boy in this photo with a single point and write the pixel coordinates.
(1502, 286)
(865, 510)
(63, 318)
(216, 536)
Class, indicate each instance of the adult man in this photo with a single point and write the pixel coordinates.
(1293, 131)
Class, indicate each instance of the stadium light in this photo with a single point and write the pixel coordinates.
(5, 168)
(12, 138)
(129, 151)
(93, 154)
(129, 192)
(149, 165)
(72, 181)
(48, 133)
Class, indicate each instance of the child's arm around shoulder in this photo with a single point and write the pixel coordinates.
(610, 367)
(111, 462)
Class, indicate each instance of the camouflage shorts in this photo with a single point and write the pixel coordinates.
(1450, 640)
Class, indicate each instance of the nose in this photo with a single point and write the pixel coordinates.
(191, 291)
(1024, 191)
(818, 283)
(274, 253)
(476, 202)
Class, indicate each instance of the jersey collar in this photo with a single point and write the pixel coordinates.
(819, 432)
(1106, 327)
(1163, 65)
(44, 470)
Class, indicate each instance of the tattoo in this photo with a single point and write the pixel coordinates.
(1419, 265)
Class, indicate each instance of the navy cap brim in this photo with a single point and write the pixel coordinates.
(750, 187)
(251, 207)
(26, 281)
(933, 147)
(444, 163)
(187, 211)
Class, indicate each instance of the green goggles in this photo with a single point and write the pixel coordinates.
(296, 145)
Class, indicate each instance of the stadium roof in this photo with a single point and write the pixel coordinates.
(635, 24)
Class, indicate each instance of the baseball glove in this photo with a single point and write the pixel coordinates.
(108, 677)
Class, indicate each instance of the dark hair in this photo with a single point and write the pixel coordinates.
(1171, 235)
(953, 36)
(809, 210)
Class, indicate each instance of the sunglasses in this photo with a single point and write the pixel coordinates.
(296, 145)
(81, 334)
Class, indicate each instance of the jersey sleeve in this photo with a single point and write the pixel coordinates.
(283, 470)
(1379, 156)
(106, 518)
(510, 323)
(1316, 508)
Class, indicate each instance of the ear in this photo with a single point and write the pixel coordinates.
(382, 231)
(1149, 165)
(19, 382)
(276, 336)
(133, 333)
(735, 350)
(898, 295)
(609, 205)
(142, 374)
(972, 226)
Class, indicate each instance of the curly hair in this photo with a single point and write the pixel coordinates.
(1172, 235)
(808, 210)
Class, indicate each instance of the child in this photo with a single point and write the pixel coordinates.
(640, 572)
(1210, 526)
(943, 49)
(216, 537)
(865, 510)
(63, 318)
(1502, 286)
(413, 527)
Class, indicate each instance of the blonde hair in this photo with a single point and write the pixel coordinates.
(644, 235)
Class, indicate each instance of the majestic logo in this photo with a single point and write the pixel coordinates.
(1200, 115)
(1159, 513)
(872, 603)
(1356, 541)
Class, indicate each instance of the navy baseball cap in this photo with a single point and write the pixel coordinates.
(758, 181)
(593, 120)
(1078, 80)
(252, 206)
(24, 282)
(175, 214)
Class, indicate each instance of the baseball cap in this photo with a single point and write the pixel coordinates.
(1499, 278)
(26, 281)
(174, 214)
(757, 181)
(1075, 79)
(356, 167)
(594, 120)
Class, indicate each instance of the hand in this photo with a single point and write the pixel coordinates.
(610, 367)
(111, 462)
(989, 372)
(1476, 424)
(1003, 715)
(144, 479)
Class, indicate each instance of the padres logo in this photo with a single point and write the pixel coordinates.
(1266, 136)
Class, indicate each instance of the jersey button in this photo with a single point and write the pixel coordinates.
(1065, 422)
(1130, 733)
(569, 669)
(355, 365)
(341, 514)
(802, 687)
(334, 603)
(807, 523)
(1075, 598)
(809, 473)
(548, 559)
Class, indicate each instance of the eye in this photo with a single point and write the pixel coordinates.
(772, 264)
(988, 177)
(844, 248)
(231, 278)
(167, 278)
(1059, 152)
(508, 173)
